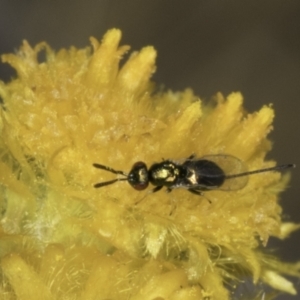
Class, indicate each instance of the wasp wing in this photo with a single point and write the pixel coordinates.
(230, 165)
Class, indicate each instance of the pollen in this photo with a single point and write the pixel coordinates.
(61, 238)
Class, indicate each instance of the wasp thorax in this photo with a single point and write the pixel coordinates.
(164, 173)
(138, 176)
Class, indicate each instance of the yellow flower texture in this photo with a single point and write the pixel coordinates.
(61, 238)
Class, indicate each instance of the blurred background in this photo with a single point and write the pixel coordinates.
(210, 46)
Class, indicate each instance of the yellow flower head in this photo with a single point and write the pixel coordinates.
(63, 239)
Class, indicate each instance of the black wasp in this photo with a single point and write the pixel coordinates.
(224, 172)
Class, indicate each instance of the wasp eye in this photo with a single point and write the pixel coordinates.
(138, 176)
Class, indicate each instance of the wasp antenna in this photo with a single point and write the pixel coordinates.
(287, 166)
(102, 167)
(101, 184)
(276, 168)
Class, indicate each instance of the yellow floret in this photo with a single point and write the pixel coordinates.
(63, 239)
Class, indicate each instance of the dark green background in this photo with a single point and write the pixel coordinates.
(210, 46)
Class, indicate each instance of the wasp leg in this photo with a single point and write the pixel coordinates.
(199, 193)
(191, 156)
(169, 190)
(196, 192)
(156, 189)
